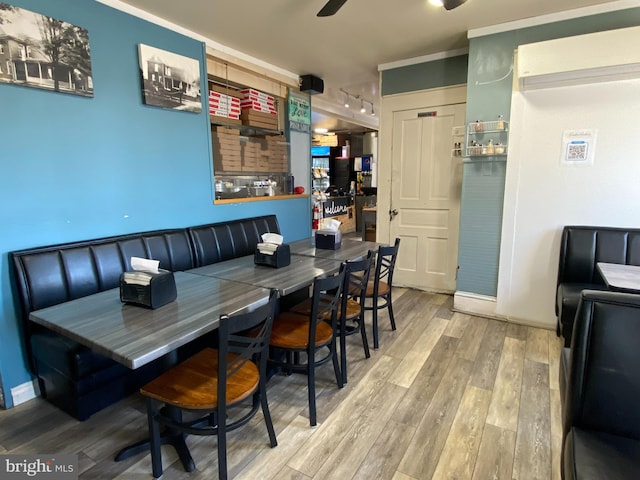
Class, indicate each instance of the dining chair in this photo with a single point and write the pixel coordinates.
(351, 308)
(213, 381)
(379, 288)
(295, 335)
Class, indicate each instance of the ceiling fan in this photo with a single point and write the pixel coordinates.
(332, 6)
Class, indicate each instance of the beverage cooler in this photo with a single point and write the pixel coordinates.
(320, 169)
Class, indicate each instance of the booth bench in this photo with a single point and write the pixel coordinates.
(71, 376)
(581, 248)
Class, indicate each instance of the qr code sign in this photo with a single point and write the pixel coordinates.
(577, 151)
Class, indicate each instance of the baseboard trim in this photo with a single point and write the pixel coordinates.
(23, 393)
(475, 304)
(485, 306)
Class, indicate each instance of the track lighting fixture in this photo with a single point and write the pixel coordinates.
(363, 109)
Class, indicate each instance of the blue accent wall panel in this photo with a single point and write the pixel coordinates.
(489, 90)
(422, 76)
(479, 241)
(74, 168)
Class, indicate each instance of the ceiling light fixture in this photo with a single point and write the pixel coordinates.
(363, 109)
(373, 114)
(436, 3)
(321, 130)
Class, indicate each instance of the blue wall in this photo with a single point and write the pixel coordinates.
(74, 168)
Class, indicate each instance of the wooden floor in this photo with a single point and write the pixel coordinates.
(447, 395)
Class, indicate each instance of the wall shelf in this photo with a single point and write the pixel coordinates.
(487, 139)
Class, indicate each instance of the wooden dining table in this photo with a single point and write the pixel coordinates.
(298, 274)
(350, 249)
(135, 336)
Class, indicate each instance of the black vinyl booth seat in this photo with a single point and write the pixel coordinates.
(71, 376)
(581, 248)
(601, 418)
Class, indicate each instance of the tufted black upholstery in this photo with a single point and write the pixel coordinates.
(217, 242)
(581, 248)
(601, 421)
(72, 376)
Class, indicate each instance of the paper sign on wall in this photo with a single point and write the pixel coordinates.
(578, 147)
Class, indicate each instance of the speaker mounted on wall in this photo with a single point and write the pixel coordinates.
(311, 84)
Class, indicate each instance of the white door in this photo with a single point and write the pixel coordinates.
(426, 180)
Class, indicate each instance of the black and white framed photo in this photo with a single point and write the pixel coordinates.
(169, 80)
(44, 52)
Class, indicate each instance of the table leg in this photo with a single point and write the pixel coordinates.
(168, 437)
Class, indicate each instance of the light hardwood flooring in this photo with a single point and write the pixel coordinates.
(447, 396)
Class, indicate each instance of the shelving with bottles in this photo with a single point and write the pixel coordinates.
(487, 138)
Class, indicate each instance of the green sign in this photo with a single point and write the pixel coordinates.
(299, 112)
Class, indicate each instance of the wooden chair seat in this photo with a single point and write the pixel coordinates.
(383, 288)
(291, 330)
(353, 309)
(193, 384)
(304, 308)
(212, 382)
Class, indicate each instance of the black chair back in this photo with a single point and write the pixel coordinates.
(325, 300)
(604, 365)
(356, 278)
(242, 338)
(385, 264)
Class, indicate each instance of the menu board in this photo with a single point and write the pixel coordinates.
(299, 112)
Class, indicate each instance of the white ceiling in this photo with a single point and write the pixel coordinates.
(346, 49)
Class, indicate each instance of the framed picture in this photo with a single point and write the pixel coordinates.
(169, 80)
(44, 52)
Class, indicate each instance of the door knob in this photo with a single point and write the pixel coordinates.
(392, 213)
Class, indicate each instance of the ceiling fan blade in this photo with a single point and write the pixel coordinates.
(331, 8)
(451, 4)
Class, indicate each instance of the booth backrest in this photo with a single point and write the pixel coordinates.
(47, 276)
(582, 247)
(217, 242)
(59, 273)
(604, 365)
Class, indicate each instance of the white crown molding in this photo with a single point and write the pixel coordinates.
(423, 59)
(553, 17)
(137, 12)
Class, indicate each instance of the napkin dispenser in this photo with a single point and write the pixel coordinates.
(281, 257)
(145, 289)
(328, 239)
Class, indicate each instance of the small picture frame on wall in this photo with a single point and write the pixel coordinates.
(43, 52)
(169, 80)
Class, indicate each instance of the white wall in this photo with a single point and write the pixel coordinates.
(542, 195)
(301, 160)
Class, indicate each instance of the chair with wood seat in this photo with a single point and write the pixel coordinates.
(210, 383)
(379, 288)
(351, 310)
(298, 339)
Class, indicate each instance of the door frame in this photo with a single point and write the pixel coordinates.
(395, 103)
